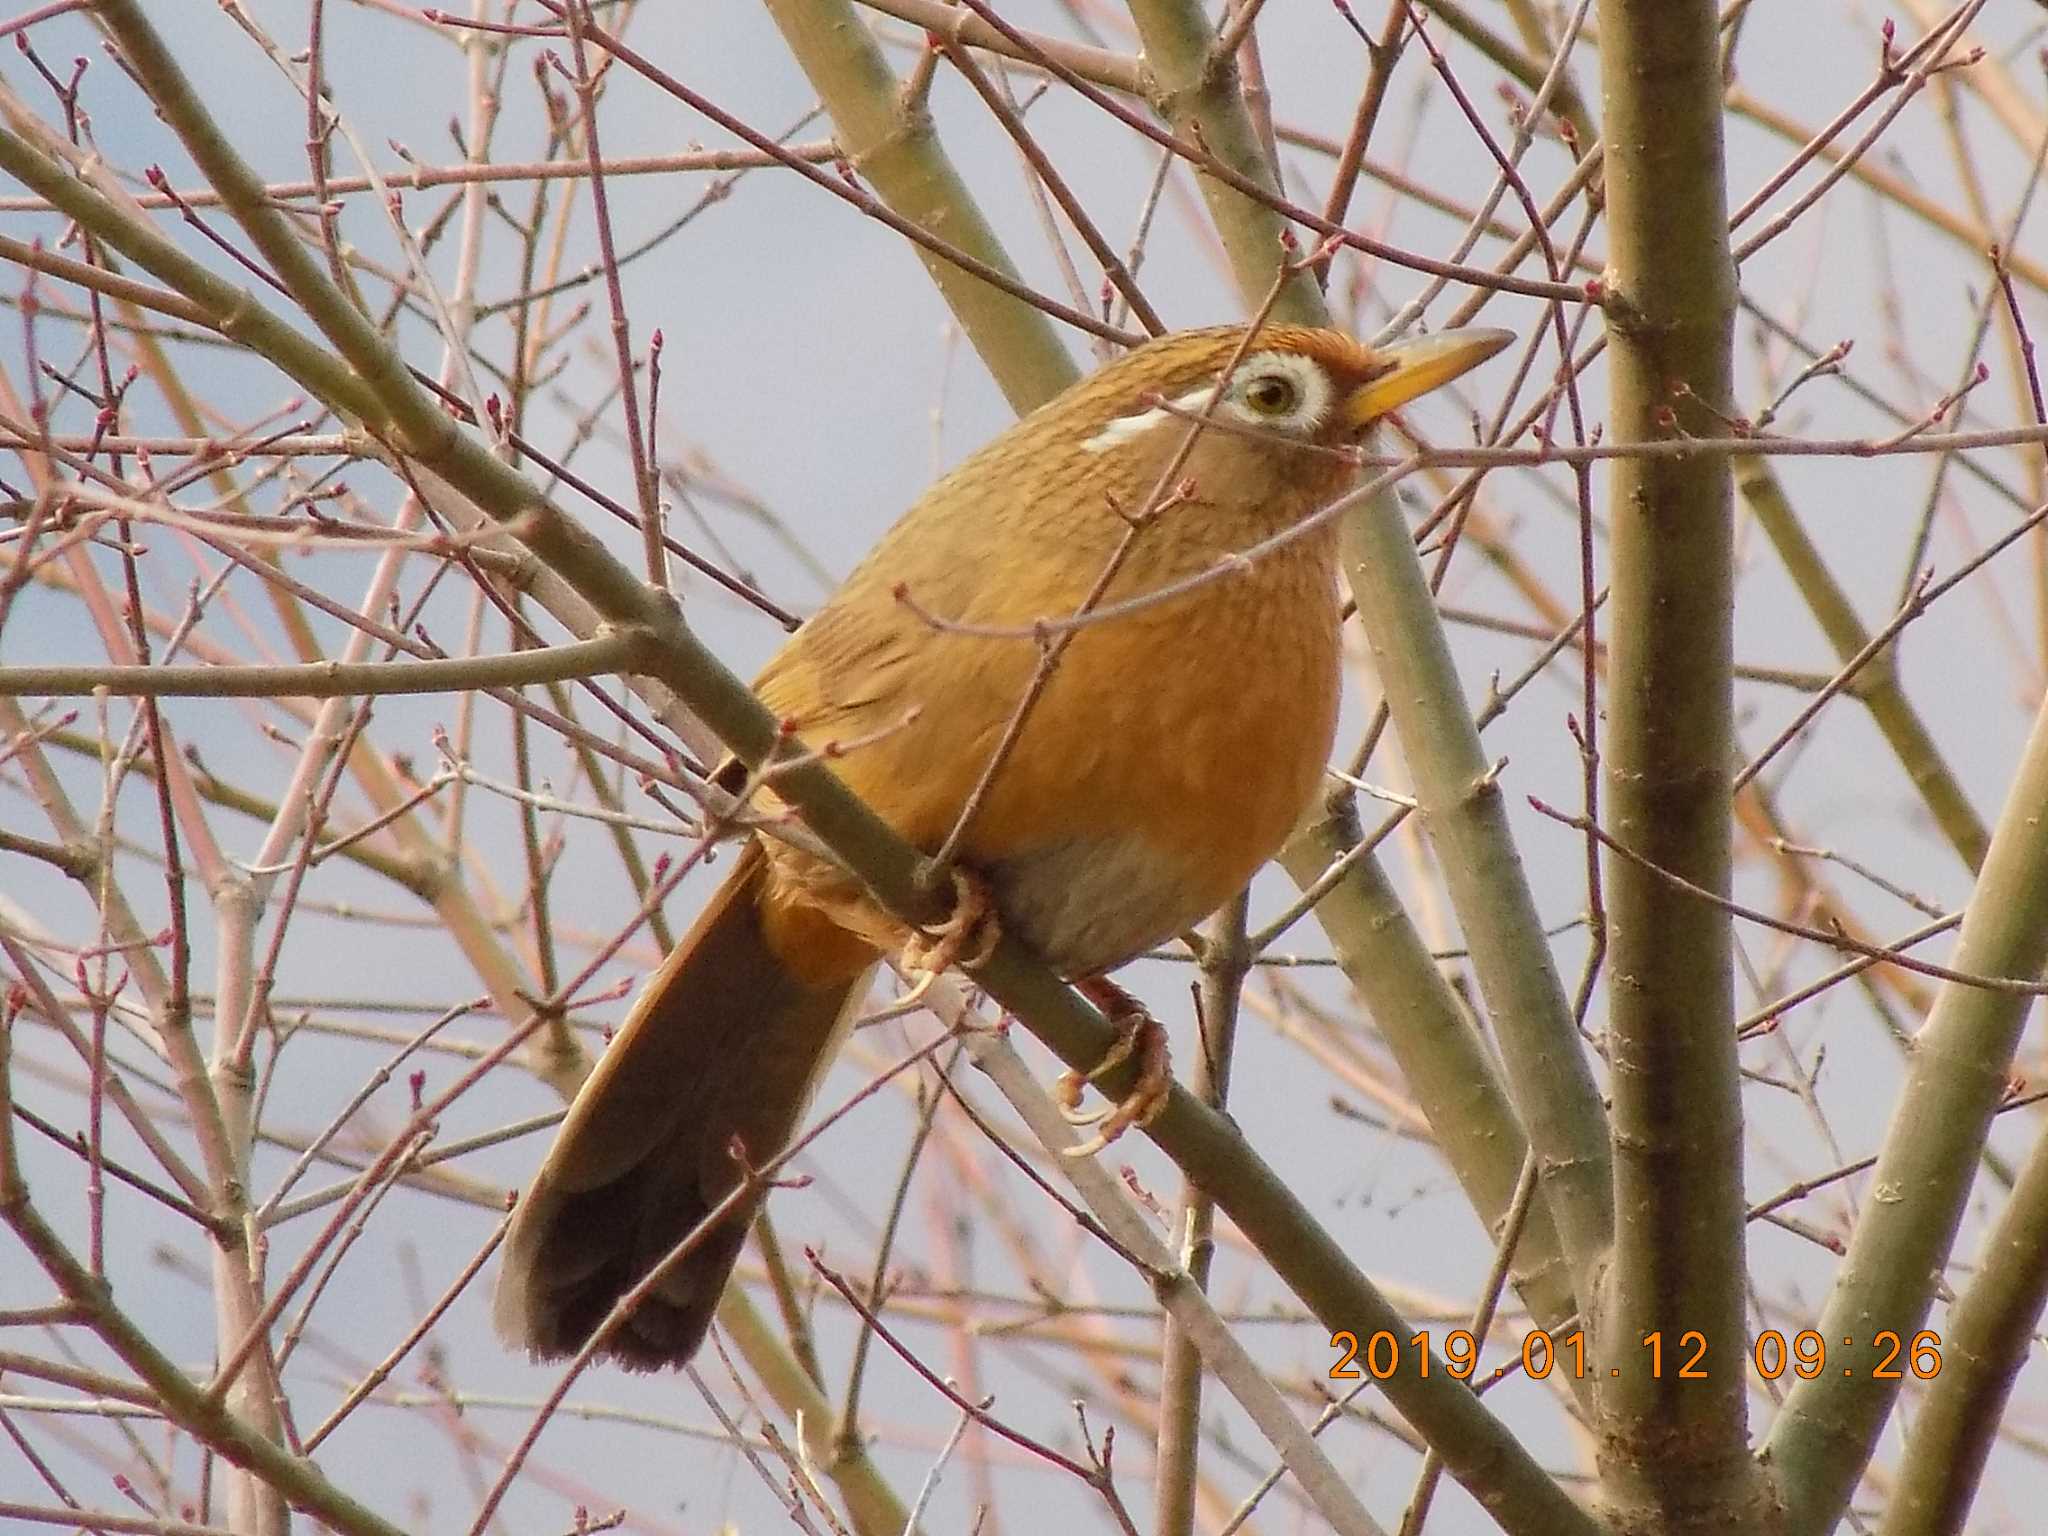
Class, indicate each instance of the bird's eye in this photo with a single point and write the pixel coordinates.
(1272, 394)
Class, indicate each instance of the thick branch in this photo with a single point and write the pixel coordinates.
(1824, 1436)
(1672, 1452)
(889, 138)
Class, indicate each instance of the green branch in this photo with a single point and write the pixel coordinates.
(1988, 1339)
(1674, 1455)
(1443, 1058)
(1958, 1073)
(889, 138)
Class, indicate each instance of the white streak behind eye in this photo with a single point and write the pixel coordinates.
(1124, 428)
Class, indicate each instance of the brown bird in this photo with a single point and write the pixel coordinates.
(1159, 764)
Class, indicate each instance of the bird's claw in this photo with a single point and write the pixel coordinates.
(1138, 1035)
(966, 938)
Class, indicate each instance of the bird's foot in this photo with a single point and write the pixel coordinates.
(966, 938)
(1138, 1035)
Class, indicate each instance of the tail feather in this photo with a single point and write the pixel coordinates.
(724, 1044)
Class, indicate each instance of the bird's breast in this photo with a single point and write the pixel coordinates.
(1166, 760)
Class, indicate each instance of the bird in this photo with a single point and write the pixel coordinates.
(1097, 803)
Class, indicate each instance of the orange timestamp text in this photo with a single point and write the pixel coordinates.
(1889, 1355)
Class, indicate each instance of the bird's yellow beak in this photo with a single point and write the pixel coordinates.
(1414, 367)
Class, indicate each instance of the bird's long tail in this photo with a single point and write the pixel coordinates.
(726, 1042)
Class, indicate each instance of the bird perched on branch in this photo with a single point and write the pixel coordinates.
(1104, 783)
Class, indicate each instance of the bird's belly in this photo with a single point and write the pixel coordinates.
(1171, 784)
(1091, 904)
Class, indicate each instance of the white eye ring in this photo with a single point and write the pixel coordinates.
(1298, 404)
